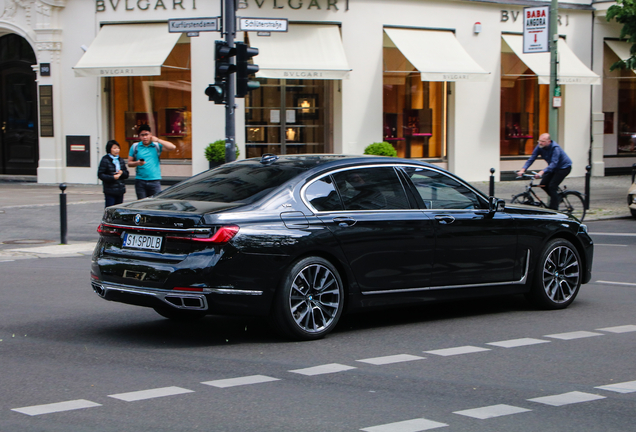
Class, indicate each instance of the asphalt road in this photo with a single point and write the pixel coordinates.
(74, 362)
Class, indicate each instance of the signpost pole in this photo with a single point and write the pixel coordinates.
(555, 90)
(229, 27)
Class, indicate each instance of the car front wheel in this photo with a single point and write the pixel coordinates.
(310, 299)
(558, 276)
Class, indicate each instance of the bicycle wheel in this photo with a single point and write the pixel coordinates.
(572, 203)
(523, 198)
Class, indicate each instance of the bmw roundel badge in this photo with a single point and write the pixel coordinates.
(137, 219)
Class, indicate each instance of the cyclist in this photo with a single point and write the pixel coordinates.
(559, 166)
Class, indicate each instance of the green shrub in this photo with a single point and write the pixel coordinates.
(215, 152)
(381, 149)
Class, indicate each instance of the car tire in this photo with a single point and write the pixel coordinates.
(310, 300)
(181, 315)
(557, 277)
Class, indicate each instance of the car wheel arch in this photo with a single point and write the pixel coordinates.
(565, 235)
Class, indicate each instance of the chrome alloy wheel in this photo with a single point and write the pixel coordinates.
(561, 271)
(314, 298)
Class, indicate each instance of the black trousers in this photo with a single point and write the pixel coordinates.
(551, 181)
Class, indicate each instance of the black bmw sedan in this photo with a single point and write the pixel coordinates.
(303, 239)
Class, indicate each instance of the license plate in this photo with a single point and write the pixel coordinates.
(142, 241)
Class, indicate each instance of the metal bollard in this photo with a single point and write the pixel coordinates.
(588, 175)
(63, 225)
(492, 182)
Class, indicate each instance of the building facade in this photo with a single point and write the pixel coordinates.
(442, 80)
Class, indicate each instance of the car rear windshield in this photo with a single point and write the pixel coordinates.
(244, 183)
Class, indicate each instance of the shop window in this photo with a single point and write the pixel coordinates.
(414, 111)
(626, 142)
(164, 102)
(524, 107)
(288, 117)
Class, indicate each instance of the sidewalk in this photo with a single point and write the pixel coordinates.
(30, 221)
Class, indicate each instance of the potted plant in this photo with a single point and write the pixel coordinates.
(215, 153)
(381, 149)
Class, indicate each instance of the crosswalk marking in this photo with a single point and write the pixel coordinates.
(625, 387)
(399, 358)
(573, 335)
(457, 350)
(232, 382)
(513, 343)
(56, 407)
(619, 329)
(492, 411)
(415, 425)
(567, 398)
(150, 394)
(323, 369)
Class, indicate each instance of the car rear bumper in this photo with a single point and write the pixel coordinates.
(211, 300)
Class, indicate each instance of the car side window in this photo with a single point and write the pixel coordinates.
(374, 188)
(439, 191)
(322, 195)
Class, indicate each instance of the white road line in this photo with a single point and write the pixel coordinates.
(491, 411)
(613, 234)
(619, 329)
(610, 245)
(399, 358)
(567, 398)
(323, 369)
(615, 283)
(56, 407)
(415, 425)
(150, 394)
(513, 343)
(573, 335)
(457, 350)
(233, 382)
(626, 387)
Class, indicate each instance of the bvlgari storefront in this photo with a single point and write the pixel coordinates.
(439, 80)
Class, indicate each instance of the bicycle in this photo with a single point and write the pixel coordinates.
(570, 202)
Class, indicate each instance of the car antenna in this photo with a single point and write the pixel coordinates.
(268, 158)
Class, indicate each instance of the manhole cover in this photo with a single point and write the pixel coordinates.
(27, 241)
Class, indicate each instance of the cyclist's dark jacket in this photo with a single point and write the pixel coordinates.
(553, 154)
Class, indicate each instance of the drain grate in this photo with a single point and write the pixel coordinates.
(26, 242)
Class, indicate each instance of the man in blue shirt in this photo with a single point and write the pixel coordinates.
(559, 166)
(145, 156)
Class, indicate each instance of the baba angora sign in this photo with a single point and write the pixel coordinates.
(536, 23)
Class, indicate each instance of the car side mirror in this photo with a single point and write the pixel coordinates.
(495, 204)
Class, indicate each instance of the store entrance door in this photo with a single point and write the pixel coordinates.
(18, 110)
(289, 117)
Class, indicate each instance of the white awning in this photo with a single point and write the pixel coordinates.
(621, 49)
(303, 52)
(127, 50)
(571, 69)
(437, 55)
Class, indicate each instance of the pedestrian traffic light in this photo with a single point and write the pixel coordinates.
(244, 69)
(223, 54)
(216, 92)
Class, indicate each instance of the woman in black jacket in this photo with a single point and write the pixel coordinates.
(112, 172)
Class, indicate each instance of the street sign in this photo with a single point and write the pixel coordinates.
(536, 24)
(189, 25)
(263, 24)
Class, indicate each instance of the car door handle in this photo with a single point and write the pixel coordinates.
(344, 221)
(445, 219)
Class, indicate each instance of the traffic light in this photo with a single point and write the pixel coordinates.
(244, 69)
(216, 92)
(223, 53)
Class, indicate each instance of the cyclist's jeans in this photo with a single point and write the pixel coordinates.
(551, 181)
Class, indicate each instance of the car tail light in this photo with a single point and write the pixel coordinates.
(222, 235)
(107, 230)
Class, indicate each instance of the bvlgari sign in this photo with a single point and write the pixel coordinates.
(144, 5)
